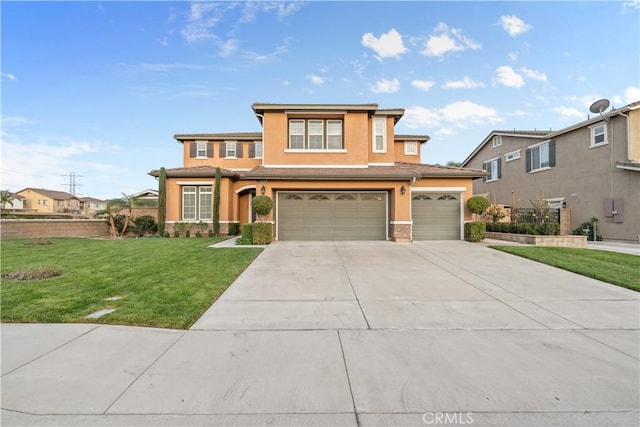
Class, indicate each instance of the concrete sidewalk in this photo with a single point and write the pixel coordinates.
(353, 333)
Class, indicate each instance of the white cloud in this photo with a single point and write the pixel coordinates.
(266, 57)
(14, 121)
(533, 74)
(423, 84)
(506, 76)
(465, 83)
(458, 114)
(200, 23)
(520, 113)
(445, 132)
(514, 25)
(386, 86)
(168, 67)
(634, 4)
(229, 47)
(9, 76)
(285, 83)
(388, 45)
(315, 79)
(513, 56)
(569, 113)
(447, 40)
(281, 8)
(632, 94)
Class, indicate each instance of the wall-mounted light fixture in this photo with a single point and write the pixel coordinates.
(262, 190)
(403, 190)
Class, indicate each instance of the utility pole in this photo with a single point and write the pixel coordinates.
(72, 185)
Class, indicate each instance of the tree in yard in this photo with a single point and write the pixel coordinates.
(477, 204)
(5, 197)
(216, 203)
(117, 220)
(162, 201)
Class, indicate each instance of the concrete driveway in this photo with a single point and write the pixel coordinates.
(353, 333)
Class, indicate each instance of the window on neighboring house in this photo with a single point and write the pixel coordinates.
(380, 135)
(315, 134)
(497, 141)
(45, 202)
(196, 203)
(541, 156)
(598, 135)
(514, 155)
(494, 168)
(410, 148)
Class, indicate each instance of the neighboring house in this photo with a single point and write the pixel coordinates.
(144, 198)
(334, 172)
(50, 201)
(16, 203)
(90, 206)
(592, 168)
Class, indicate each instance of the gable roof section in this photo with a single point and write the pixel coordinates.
(539, 134)
(52, 194)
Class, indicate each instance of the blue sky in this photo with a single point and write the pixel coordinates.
(100, 88)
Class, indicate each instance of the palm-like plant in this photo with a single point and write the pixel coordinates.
(5, 197)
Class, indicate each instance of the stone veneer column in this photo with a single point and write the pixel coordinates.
(401, 233)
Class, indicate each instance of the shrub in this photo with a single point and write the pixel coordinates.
(243, 241)
(145, 224)
(216, 203)
(495, 213)
(198, 233)
(262, 205)
(544, 229)
(210, 233)
(162, 201)
(587, 229)
(247, 232)
(474, 231)
(262, 233)
(166, 234)
(478, 204)
(234, 228)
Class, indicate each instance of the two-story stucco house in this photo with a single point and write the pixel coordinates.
(334, 172)
(50, 201)
(591, 168)
(90, 206)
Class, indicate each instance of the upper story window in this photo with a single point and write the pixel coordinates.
(514, 155)
(497, 141)
(598, 135)
(231, 150)
(315, 134)
(494, 168)
(255, 150)
(541, 156)
(201, 149)
(411, 148)
(379, 135)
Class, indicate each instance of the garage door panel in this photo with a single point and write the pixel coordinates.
(332, 216)
(436, 216)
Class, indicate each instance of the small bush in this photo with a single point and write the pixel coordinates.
(244, 241)
(144, 224)
(474, 231)
(262, 233)
(198, 233)
(187, 233)
(247, 232)
(166, 234)
(210, 233)
(478, 204)
(234, 228)
(262, 205)
(544, 229)
(176, 233)
(586, 229)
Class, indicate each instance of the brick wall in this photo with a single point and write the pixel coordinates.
(34, 228)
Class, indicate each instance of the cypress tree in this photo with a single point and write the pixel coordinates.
(216, 203)
(162, 201)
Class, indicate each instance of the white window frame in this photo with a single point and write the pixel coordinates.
(199, 194)
(593, 135)
(375, 135)
(514, 155)
(413, 151)
(207, 213)
(231, 150)
(195, 202)
(496, 141)
(330, 134)
(493, 169)
(201, 149)
(297, 121)
(540, 166)
(258, 150)
(312, 134)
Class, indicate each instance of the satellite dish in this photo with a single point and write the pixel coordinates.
(599, 107)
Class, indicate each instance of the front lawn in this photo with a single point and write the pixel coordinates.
(612, 267)
(165, 283)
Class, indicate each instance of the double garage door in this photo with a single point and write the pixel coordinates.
(332, 216)
(436, 216)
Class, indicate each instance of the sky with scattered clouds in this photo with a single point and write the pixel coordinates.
(100, 88)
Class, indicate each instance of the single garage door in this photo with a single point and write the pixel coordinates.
(436, 216)
(332, 216)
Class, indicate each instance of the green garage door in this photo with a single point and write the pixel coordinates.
(332, 216)
(436, 216)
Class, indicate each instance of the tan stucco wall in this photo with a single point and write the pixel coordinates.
(245, 162)
(401, 157)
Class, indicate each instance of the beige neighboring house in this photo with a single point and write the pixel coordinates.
(592, 168)
(89, 206)
(145, 198)
(50, 201)
(15, 204)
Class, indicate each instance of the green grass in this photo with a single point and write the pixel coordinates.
(611, 267)
(165, 283)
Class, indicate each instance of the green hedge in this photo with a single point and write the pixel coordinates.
(234, 228)
(544, 229)
(474, 231)
(247, 232)
(262, 233)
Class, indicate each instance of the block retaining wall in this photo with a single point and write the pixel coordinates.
(529, 239)
(35, 228)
